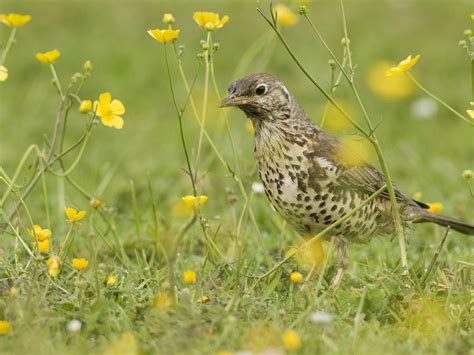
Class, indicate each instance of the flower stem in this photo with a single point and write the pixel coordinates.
(436, 98)
(180, 121)
(8, 46)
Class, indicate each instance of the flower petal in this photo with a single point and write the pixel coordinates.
(117, 107)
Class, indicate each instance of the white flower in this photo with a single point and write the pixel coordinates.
(321, 317)
(74, 326)
(424, 108)
(257, 187)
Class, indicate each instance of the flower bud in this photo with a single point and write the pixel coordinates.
(86, 106)
(345, 41)
(168, 19)
(467, 174)
(209, 26)
(303, 10)
(216, 46)
(332, 63)
(200, 56)
(88, 66)
(463, 44)
(205, 47)
(468, 33)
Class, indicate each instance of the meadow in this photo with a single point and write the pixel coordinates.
(154, 273)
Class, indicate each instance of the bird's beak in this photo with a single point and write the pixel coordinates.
(232, 100)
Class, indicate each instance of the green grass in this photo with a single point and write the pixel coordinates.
(376, 309)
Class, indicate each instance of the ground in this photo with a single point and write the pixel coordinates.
(139, 172)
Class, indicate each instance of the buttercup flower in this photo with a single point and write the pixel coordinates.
(3, 73)
(53, 264)
(43, 247)
(80, 263)
(109, 111)
(86, 106)
(285, 17)
(291, 340)
(209, 21)
(193, 201)
(48, 57)
(111, 280)
(435, 207)
(394, 87)
(168, 19)
(296, 277)
(39, 233)
(164, 36)
(14, 20)
(5, 327)
(73, 215)
(471, 112)
(403, 66)
(189, 277)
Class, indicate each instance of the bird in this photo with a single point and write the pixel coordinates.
(306, 174)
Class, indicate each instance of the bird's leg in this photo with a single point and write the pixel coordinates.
(341, 264)
(309, 276)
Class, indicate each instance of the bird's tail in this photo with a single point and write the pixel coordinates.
(444, 221)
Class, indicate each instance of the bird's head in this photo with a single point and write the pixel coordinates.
(261, 96)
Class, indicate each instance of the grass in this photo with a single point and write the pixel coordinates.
(138, 171)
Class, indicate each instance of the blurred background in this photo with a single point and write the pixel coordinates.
(427, 148)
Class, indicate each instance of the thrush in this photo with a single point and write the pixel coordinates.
(307, 176)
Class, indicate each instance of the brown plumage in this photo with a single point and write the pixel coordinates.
(304, 176)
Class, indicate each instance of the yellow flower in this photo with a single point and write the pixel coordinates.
(164, 36)
(285, 17)
(472, 17)
(335, 121)
(296, 277)
(162, 300)
(48, 57)
(109, 111)
(73, 215)
(291, 340)
(193, 201)
(53, 264)
(3, 73)
(309, 255)
(471, 112)
(209, 21)
(435, 207)
(5, 327)
(80, 263)
(43, 247)
(39, 233)
(14, 20)
(189, 277)
(403, 66)
(86, 106)
(393, 87)
(111, 280)
(355, 151)
(126, 345)
(168, 19)
(203, 299)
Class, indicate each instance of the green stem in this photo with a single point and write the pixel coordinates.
(436, 98)
(472, 79)
(180, 120)
(8, 46)
(56, 81)
(207, 55)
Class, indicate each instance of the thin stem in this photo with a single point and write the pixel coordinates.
(436, 98)
(11, 40)
(180, 116)
(207, 55)
(435, 257)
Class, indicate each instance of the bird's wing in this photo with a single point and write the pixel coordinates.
(350, 171)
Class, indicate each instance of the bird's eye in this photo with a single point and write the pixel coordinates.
(261, 89)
